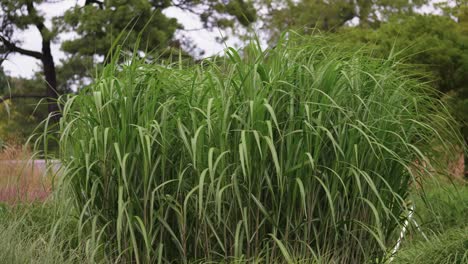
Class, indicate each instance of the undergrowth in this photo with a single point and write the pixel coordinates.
(442, 214)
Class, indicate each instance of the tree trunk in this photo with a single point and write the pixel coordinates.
(51, 80)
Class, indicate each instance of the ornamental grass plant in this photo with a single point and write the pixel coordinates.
(301, 153)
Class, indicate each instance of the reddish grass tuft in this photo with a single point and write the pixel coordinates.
(21, 179)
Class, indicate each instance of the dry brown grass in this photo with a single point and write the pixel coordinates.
(21, 179)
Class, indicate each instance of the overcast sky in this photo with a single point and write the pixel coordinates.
(24, 66)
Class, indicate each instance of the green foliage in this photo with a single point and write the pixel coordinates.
(20, 116)
(442, 207)
(441, 211)
(298, 152)
(449, 248)
(242, 10)
(436, 46)
(98, 28)
(18, 16)
(39, 233)
(310, 16)
(72, 70)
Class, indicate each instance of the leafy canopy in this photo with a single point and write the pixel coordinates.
(98, 27)
(330, 15)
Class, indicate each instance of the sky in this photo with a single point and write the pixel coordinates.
(24, 66)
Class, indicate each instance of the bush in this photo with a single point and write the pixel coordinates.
(303, 151)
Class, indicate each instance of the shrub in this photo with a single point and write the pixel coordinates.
(302, 151)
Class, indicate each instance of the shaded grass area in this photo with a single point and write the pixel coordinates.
(442, 213)
(443, 205)
(38, 233)
(449, 247)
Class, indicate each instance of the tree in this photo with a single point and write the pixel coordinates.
(19, 118)
(436, 46)
(3, 81)
(330, 15)
(98, 28)
(19, 15)
(435, 43)
(97, 24)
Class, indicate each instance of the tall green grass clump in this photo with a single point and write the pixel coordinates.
(301, 152)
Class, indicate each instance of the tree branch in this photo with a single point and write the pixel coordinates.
(13, 48)
(185, 7)
(15, 96)
(90, 2)
(36, 21)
